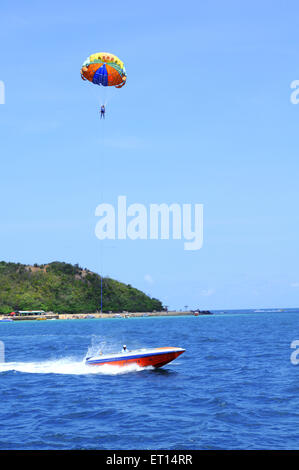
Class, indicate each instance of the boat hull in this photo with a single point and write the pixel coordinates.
(157, 357)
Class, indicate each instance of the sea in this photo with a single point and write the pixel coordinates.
(235, 387)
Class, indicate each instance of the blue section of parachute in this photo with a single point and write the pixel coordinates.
(101, 76)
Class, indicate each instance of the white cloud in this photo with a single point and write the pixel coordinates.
(207, 292)
(148, 278)
(295, 284)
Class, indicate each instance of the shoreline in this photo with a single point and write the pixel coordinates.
(97, 315)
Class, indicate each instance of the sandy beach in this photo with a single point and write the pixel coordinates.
(84, 316)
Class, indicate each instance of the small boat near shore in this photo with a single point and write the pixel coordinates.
(198, 312)
(155, 357)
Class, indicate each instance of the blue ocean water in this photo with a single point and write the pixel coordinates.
(235, 387)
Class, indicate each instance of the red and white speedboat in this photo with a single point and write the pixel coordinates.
(155, 357)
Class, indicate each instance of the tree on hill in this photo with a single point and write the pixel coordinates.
(66, 288)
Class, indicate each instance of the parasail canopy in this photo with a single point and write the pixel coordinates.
(104, 68)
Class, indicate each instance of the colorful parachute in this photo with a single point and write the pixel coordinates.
(104, 69)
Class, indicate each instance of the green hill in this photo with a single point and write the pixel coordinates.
(64, 288)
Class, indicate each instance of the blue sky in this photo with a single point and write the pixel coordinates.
(205, 118)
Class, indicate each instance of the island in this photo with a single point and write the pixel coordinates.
(60, 290)
(64, 288)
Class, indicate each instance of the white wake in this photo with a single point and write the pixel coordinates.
(67, 366)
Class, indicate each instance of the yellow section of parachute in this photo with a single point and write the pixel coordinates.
(106, 57)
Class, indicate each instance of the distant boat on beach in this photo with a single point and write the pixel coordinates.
(198, 312)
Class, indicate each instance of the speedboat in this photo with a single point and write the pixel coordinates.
(155, 357)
